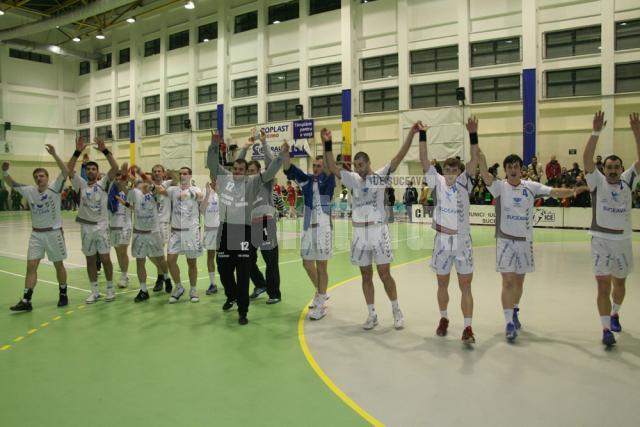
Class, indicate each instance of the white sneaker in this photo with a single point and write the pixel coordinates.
(111, 295)
(93, 297)
(124, 282)
(176, 294)
(372, 322)
(398, 319)
(318, 312)
(194, 295)
(313, 303)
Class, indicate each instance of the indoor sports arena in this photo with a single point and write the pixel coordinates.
(319, 212)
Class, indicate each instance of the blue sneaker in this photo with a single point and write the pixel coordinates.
(516, 321)
(212, 289)
(615, 323)
(607, 338)
(510, 332)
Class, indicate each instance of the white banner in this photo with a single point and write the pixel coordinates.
(276, 132)
(175, 150)
(445, 133)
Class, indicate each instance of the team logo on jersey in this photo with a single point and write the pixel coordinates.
(525, 192)
(615, 196)
(44, 197)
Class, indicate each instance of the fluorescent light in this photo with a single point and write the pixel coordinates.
(622, 23)
(205, 40)
(189, 5)
(1, 12)
(76, 39)
(276, 22)
(131, 20)
(55, 49)
(100, 36)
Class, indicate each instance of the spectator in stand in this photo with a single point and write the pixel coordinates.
(478, 194)
(599, 164)
(16, 201)
(409, 199)
(63, 200)
(553, 171)
(565, 178)
(73, 197)
(291, 199)
(4, 197)
(276, 187)
(389, 203)
(535, 167)
(565, 202)
(493, 170)
(525, 175)
(582, 200)
(533, 174)
(424, 196)
(575, 171)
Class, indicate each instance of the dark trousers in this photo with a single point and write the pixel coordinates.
(234, 264)
(264, 236)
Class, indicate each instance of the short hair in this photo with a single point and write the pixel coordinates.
(158, 166)
(91, 163)
(320, 157)
(453, 162)
(255, 163)
(38, 170)
(187, 168)
(242, 162)
(361, 155)
(512, 158)
(613, 158)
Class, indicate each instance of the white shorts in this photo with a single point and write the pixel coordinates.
(186, 243)
(371, 244)
(147, 245)
(165, 232)
(611, 257)
(50, 242)
(209, 241)
(316, 243)
(120, 237)
(514, 256)
(95, 239)
(450, 249)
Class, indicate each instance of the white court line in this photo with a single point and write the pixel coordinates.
(43, 281)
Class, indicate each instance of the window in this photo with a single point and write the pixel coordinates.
(30, 56)
(151, 103)
(207, 32)
(437, 59)
(84, 134)
(104, 132)
(245, 87)
(104, 61)
(328, 105)
(178, 40)
(85, 67)
(123, 131)
(245, 115)
(152, 47)
(207, 93)
(177, 99)
(103, 112)
(177, 123)
(628, 34)
(434, 95)
(84, 115)
(320, 6)
(282, 82)
(628, 77)
(284, 12)
(325, 75)
(495, 52)
(282, 110)
(124, 56)
(123, 109)
(379, 67)
(380, 100)
(152, 127)
(578, 41)
(207, 120)
(582, 81)
(246, 22)
(496, 89)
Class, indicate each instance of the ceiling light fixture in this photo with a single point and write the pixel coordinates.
(131, 20)
(189, 5)
(1, 12)
(55, 49)
(100, 35)
(205, 40)
(76, 39)
(276, 22)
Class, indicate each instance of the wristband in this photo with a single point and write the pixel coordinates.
(127, 204)
(5, 173)
(106, 152)
(473, 138)
(595, 133)
(77, 153)
(328, 146)
(423, 136)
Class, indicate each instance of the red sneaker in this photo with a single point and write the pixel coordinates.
(442, 327)
(467, 336)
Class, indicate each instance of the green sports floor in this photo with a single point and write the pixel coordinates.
(126, 364)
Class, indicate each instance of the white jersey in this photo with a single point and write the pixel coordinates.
(318, 216)
(121, 218)
(611, 204)
(164, 204)
(45, 206)
(368, 194)
(93, 199)
(451, 212)
(145, 209)
(212, 214)
(185, 211)
(515, 209)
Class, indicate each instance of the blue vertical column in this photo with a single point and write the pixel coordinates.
(528, 114)
(220, 119)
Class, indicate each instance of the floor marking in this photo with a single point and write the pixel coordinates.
(57, 318)
(44, 325)
(43, 281)
(80, 307)
(5, 347)
(18, 339)
(69, 312)
(31, 331)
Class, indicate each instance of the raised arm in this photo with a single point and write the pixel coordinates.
(598, 124)
(418, 127)
(484, 171)
(273, 168)
(7, 176)
(109, 155)
(634, 122)
(213, 159)
(472, 128)
(404, 149)
(205, 201)
(268, 155)
(80, 146)
(286, 159)
(329, 160)
(63, 168)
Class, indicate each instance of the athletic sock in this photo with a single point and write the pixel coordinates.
(178, 285)
(508, 315)
(143, 286)
(443, 313)
(26, 296)
(212, 277)
(124, 275)
(515, 306)
(161, 276)
(394, 305)
(606, 322)
(94, 287)
(372, 309)
(109, 284)
(467, 322)
(62, 288)
(615, 308)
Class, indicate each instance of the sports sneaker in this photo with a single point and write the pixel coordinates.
(93, 297)
(615, 323)
(142, 296)
(175, 296)
(257, 292)
(159, 284)
(243, 320)
(22, 306)
(228, 304)
(123, 283)
(63, 300)
(212, 289)
(510, 332)
(313, 303)
(442, 327)
(398, 319)
(372, 322)
(608, 339)
(516, 321)
(167, 285)
(467, 336)
(271, 301)
(193, 294)
(111, 295)
(318, 312)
